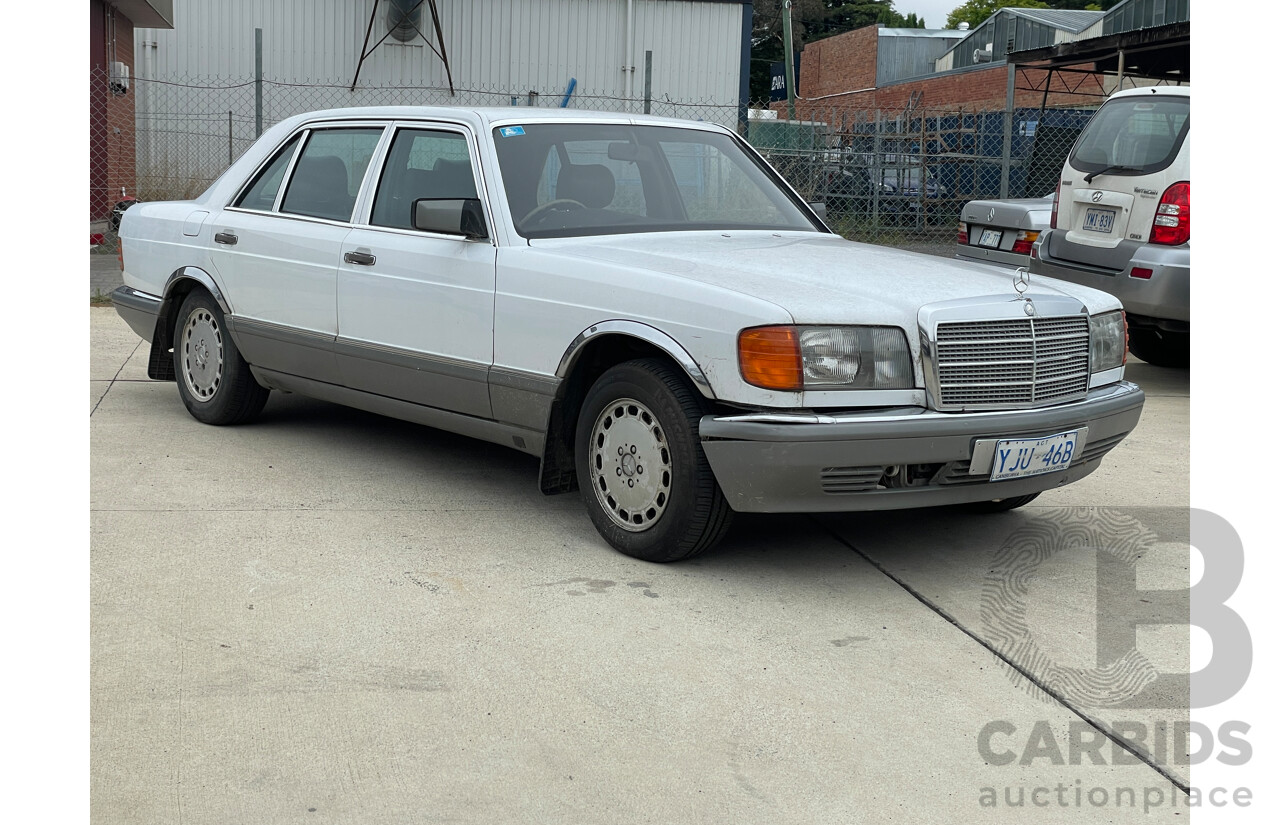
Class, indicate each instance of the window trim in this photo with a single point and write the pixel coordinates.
(364, 207)
(305, 131)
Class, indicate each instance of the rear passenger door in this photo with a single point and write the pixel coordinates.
(277, 247)
(415, 309)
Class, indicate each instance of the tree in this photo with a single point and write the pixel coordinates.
(811, 20)
(974, 12)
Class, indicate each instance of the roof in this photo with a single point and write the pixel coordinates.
(1065, 19)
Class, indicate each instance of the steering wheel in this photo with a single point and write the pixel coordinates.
(564, 204)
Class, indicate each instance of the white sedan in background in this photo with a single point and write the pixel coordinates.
(1002, 231)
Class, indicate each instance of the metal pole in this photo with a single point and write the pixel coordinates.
(1006, 151)
(257, 83)
(1120, 68)
(230, 149)
(648, 79)
(788, 62)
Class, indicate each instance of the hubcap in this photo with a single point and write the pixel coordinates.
(630, 465)
(202, 354)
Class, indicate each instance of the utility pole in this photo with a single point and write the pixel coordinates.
(788, 58)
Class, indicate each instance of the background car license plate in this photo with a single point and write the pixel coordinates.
(990, 237)
(1022, 457)
(1099, 220)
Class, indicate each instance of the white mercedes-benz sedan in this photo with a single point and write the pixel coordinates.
(642, 303)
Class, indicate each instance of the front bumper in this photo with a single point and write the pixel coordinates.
(787, 463)
(1165, 295)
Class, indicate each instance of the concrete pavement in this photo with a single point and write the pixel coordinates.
(327, 616)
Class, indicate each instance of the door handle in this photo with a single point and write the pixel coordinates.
(228, 238)
(362, 258)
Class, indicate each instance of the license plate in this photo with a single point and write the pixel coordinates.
(1099, 220)
(1023, 457)
(990, 237)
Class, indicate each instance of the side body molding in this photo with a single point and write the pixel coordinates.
(644, 332)
(176, 289)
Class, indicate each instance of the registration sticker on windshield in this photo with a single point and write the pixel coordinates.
(511, 131)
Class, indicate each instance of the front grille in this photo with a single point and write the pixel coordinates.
(1024, 362)
(841, 480)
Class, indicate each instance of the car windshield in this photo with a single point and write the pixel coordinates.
(1134, 135)
(572, 179)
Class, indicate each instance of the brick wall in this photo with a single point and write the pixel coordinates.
(835, 69)
(111, 116)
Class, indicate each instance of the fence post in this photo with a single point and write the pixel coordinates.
(230, 141)
(876, 177)
(257, 83)
(648, 79)
(1006, 151)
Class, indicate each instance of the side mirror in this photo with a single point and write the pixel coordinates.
(450, 216)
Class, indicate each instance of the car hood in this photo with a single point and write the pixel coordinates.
(819, 279)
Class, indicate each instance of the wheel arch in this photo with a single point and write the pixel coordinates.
(591, 353)
(176, 289)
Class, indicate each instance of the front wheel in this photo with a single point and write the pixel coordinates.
(213, 379)
(644, 478)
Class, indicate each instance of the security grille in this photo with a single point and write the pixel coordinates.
(1025, 362)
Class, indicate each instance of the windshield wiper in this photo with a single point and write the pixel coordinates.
(1109, 169)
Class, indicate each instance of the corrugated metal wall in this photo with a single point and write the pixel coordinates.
(899, 57)
(1145, 14)
(512, 46)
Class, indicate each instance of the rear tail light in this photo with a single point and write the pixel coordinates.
(1053, 218)
(1172, 225)
(1022, 246)
(120, 255)
(963, 236)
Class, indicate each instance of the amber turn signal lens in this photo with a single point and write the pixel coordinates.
(770, 358)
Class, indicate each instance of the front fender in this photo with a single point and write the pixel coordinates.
(645, 333)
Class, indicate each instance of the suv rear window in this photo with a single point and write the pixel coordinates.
(1141, 134)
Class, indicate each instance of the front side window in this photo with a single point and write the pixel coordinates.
(261, 194)
(1135, 135)
(571, 179)
(327, 177)
(422, 163)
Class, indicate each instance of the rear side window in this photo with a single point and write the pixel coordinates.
(1139, 134)
(261, 194)
(327, 177)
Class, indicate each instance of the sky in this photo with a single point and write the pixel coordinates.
(934, 12)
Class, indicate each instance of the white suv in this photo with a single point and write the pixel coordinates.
(1122, 217)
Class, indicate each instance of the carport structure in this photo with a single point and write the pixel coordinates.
(1147, 39)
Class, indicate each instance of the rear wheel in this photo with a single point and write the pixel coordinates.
(645, 481)
(213, 380)
(1161, 347)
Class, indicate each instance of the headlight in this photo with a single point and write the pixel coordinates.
(1107, 340)
(823, 358)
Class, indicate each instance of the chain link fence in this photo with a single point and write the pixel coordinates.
(887, 176)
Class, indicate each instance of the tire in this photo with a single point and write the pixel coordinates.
(1000, 505)
(1161, 348)
(213, 380)
(638, 426)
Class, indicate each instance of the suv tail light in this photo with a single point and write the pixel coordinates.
(1173, 216)
(963, 237)
(1053, 218)
(120, 254)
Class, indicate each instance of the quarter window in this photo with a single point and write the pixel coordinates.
(261, 194)
(422, 163)
(327, 177)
